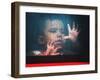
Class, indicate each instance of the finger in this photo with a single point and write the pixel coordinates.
(77, 29)
(69, 28)
(55, 50)
(48, 43)
(66, 37)
(56, 54)
(52, 43)
(73, 26)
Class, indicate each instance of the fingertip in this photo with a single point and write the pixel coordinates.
(68, 25)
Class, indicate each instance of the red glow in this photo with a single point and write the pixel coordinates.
(56, 64)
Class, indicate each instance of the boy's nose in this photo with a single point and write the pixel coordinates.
(59, 34)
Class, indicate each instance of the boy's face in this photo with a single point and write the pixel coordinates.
(54, 31)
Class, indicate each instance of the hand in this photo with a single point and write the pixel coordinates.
(72, 33)
(51, 49)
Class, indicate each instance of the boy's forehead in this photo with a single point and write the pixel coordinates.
(54, 23)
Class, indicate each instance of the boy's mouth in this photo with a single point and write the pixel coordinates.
(58, 42)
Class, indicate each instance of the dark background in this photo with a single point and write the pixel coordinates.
(35, 25)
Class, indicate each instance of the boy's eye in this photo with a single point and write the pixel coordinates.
(62, 31)
(52, 30)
